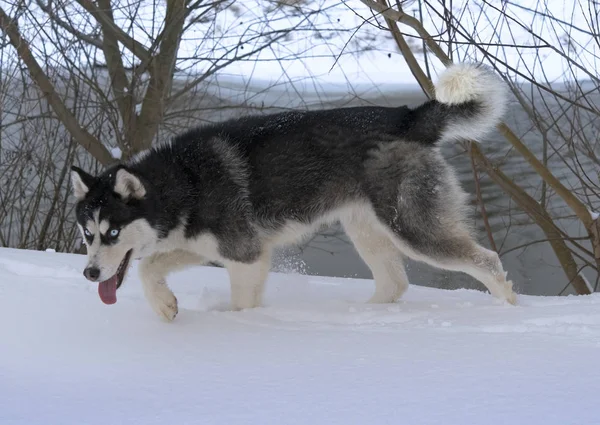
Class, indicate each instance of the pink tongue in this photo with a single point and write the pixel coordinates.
(108, 290)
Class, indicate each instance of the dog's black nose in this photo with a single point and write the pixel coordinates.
(91, 273)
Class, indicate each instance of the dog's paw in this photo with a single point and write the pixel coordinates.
(164, 303)
(388, 294)
(244, 298)
(511, 297)
(380, 298)
(239, 305)
(505, 292)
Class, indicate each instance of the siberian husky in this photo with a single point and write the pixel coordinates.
(232, 192)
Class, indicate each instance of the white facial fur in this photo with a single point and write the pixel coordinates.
(137, 235)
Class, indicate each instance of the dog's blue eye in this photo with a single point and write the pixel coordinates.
(114, 233)
(87, 232)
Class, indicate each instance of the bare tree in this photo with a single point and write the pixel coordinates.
(141, 54)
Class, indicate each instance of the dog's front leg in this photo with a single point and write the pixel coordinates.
(153, 272)
(247, 282)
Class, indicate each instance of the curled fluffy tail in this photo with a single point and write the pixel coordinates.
(464, 84)
(470, 100)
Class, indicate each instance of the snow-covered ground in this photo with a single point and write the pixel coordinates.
(315, 354)
(347, 43)
(316, 43)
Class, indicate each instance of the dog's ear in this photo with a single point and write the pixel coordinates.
(81, 181)
(128, 186)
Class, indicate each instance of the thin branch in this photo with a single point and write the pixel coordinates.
(94, 41)
(107, 23)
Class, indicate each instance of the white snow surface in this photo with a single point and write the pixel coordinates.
(314, 354)
(349, 43)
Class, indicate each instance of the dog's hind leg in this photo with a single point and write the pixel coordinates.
(247, 281)
(153, 272)
(480, 263)
(485, 266)
(378, 251)
(455, 250)
(419, 203)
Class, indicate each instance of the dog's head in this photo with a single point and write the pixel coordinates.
(111, 219)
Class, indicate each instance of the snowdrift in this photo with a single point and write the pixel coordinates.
(314, 354)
